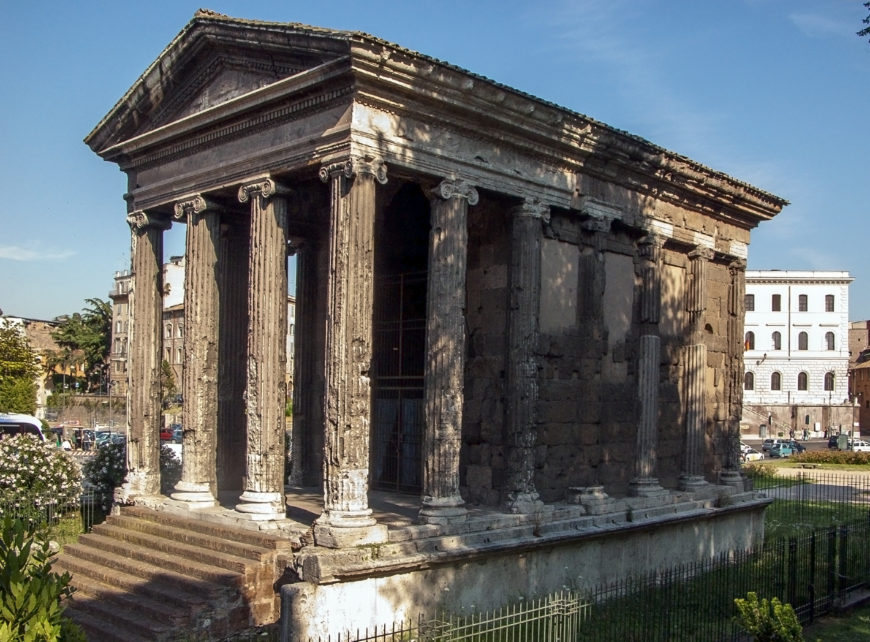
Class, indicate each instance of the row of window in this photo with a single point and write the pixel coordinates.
(776, 303)
(179, 330)
(776, 341)
(803, 381)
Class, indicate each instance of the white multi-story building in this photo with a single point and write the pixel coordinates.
(796, 357)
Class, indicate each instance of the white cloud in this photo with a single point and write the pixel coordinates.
(16, 253)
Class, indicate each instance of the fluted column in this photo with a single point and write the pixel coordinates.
(734, 366)
(695, 364)
(144, 404)
(645, 483)
(445, 351)
(263, 496)
(520, 495)
(198, 483)
(347, 518)
(303, 363)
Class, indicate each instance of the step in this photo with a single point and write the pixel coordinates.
(129, 623)
(178, 534)
(246, 536)
(100, 630)
(215, 582)
(203, 555)
(83, 570)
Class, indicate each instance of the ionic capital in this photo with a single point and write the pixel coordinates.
(533, 208)
(702, 252)
(140, 220)
(738, 265)
(600, 214)
(191, 205)
(456, 188)
(264, 186)
(650, 246)
(374, 167)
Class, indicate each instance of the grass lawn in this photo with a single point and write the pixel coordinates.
(849, 626)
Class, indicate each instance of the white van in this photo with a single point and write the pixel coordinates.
(12, 424)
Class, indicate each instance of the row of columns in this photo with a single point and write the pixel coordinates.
(347, 516)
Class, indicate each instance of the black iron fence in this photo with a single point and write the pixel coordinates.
(814, 572)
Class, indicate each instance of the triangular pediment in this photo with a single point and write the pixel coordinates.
(214, 59)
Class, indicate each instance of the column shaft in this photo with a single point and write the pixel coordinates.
(198, 484)
(522, 381)
(444, 373)
(263, 497)
(347, 409)
(144, 404)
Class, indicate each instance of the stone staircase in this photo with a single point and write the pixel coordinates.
(152, 575)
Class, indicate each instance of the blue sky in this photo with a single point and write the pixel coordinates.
(773, 92)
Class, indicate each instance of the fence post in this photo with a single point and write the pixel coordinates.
(831, 566)
(791, 588)
(812, 584)
(844, 559)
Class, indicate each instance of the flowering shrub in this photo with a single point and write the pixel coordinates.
(106, 471)
(35, 476)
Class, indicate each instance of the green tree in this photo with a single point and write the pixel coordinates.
(167, 382)
(866, 30)
(18, 370)
(87, 336)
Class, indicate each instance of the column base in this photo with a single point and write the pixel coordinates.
(733, 479)
(261, 506)
(646, 487)
(522, 503)
(194, 495)
(592, 498)
(332, 536)
(443, 510)
(692, 483)
(135, 485)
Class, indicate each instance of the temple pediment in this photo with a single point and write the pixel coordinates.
(214, 59)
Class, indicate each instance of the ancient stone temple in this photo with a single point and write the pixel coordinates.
(518, 335)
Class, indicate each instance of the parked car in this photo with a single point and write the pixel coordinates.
(782, 449)
(859, 445)
(165, 434)
(832, 442)
(750, 454)
(796, 446)
(769, 443)
(176, 433)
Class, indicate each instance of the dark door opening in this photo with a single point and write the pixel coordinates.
(399, 343)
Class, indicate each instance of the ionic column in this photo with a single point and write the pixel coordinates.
(198, 483)
(695, 361)
(347, 518)
(645, 483)
(144, 404)
(445, 351)
(304, 362)
(734, 366)
(598, 221)
(263, 496)
(520, 495)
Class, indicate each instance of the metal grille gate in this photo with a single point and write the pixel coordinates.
(397, 382)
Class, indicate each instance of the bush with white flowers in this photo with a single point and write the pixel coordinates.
(106, 471)
(36, 476)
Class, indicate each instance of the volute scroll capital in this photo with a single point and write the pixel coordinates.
(457, 188)
(533, 208)
(702, 252)
(140, 220)
(264, 186)
(340, 168)
(192, 205)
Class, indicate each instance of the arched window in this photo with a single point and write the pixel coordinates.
(180, 331)
(803, 381)
(749, 381)
(178, 355)
(777, 341)
(168, 333)
(776, 381)
(829, 381)
(803, 341)
(829, 341)
(749, 341)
